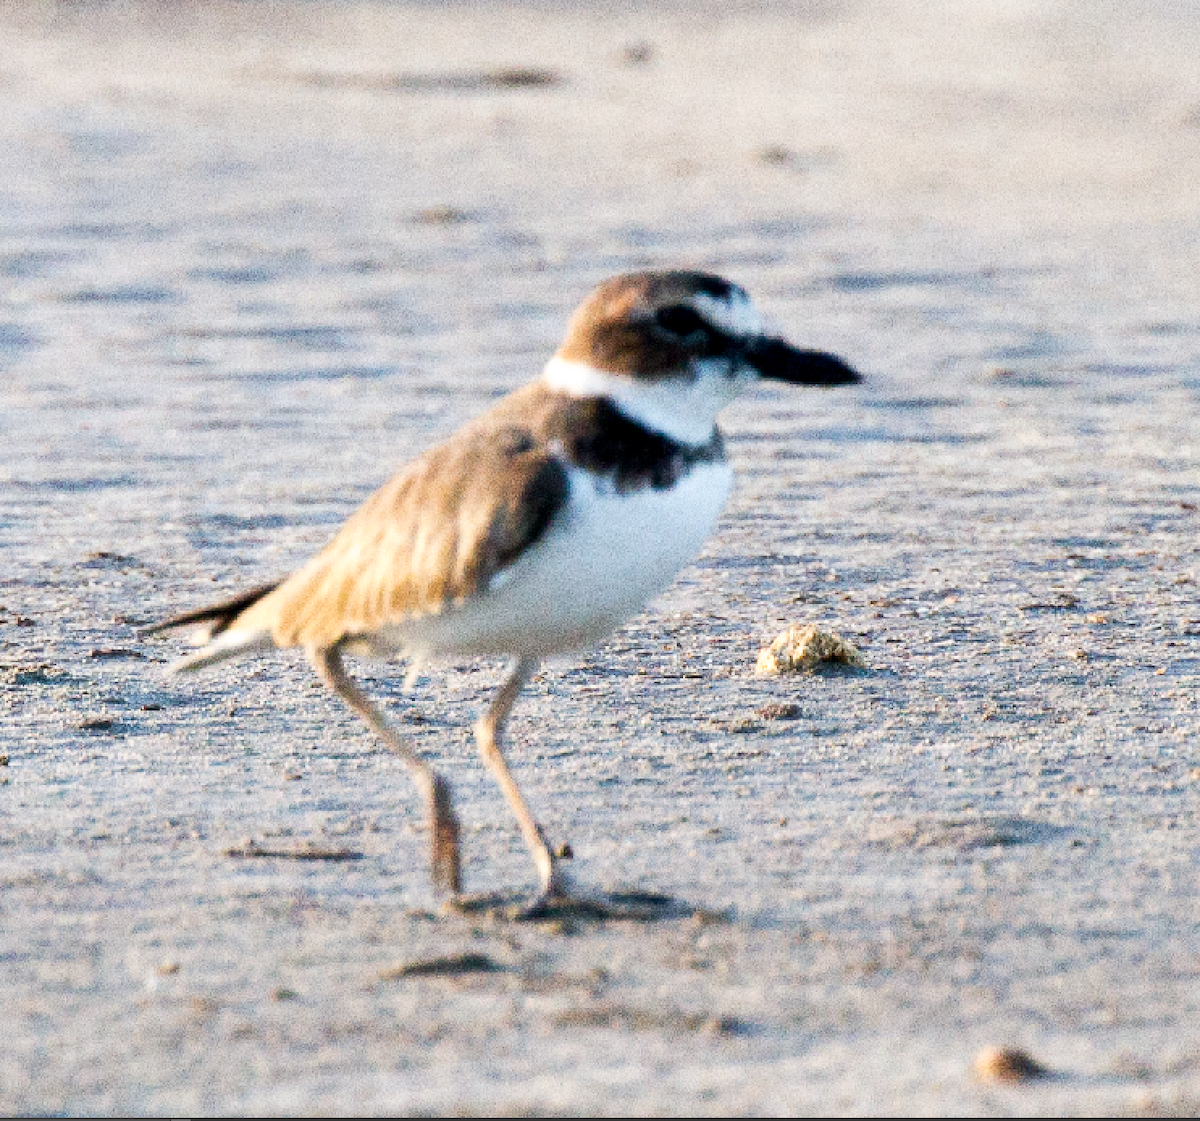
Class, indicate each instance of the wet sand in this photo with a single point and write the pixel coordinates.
(257, 256)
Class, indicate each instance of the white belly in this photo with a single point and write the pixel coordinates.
(602, 559)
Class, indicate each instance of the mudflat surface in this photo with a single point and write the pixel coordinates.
(255, 257)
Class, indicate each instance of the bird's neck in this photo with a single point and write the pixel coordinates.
(682, 408)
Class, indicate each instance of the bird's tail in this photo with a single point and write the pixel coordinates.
(226, 646)
(218, 636)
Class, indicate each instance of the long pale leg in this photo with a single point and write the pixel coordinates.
(445, 867)
(487, 734)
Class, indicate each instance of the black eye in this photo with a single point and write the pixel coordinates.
(680, 321)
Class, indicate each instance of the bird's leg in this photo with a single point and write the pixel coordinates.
(445, 866)
(488, 729)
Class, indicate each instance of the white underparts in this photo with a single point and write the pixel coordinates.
(603, 557)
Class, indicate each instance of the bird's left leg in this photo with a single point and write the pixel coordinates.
(445, 866)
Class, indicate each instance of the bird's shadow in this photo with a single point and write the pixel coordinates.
(610, 906)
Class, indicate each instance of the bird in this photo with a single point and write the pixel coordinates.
(535, 530)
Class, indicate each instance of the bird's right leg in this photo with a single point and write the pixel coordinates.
(445, 865)
(488, 730)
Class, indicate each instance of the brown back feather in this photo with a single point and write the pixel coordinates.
(434, 535)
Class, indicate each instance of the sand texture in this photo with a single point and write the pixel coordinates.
(256, 256)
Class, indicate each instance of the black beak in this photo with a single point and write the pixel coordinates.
(780, 361)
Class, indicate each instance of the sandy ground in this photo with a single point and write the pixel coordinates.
(257, 255)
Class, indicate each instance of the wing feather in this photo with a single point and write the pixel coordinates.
(434, 535)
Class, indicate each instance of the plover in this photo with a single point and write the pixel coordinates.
(538, 527)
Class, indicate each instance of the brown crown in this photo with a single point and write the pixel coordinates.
(613, 329)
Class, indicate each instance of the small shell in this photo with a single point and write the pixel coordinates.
(1007, 1064)
(802, 649)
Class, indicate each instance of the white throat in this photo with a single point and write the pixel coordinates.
(684, 409)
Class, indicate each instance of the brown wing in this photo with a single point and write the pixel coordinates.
(435, 534)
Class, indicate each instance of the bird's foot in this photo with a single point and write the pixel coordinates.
(566, 902)
(559, 900)
(569, 906)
